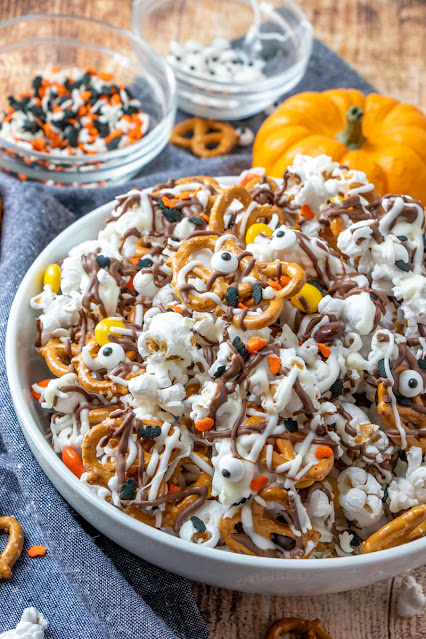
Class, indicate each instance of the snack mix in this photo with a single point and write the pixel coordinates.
(244, 366)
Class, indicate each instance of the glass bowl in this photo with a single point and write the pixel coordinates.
(275, 34)
(33, 44)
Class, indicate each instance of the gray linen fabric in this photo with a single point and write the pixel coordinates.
(88, 587)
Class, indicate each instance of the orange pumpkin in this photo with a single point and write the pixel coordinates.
(371, 133)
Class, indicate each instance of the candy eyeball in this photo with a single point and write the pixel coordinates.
(283, 238)
(111, 355)
(224, 262)
(231, 468)
(410, 383)
(245, 136)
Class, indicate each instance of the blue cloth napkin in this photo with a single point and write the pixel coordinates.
(87, 586)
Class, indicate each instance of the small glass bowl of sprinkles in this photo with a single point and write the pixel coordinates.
(82, 102)
(231, 58)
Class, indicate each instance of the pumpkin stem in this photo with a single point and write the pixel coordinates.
(352, 135)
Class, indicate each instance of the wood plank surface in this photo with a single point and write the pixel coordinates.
(385, 41)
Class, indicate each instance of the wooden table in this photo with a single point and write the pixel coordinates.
(384, 40)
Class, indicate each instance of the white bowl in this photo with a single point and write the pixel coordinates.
(210, 565)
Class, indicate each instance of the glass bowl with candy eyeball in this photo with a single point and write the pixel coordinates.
(231, 58)
(32, 45)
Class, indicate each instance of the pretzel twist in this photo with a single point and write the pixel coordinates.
(407, 527)
(205, 133)
(258, 212)
(262, 271)
(318, 472)
(303, 627)
(93, 385)
(13, 547)
(173, 509)
(407, 414)
(54, 353)
(263, 524)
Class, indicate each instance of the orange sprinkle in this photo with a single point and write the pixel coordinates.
(255, 344)
(284, 280)
(86, 95)
(306, 212)
(73, 461)
(37, 551)
(204, 424)
(241, 305)
(134, 260)
(82, 111)
(115, 98)
(168, 202)
(56, 69)
(274, 364)
(204, 217)
(185, 195)
(93, 71)
(247, 178)
(324, 350)
(258, 483)
(175, 308)
(106, 77)
(323, 452)
(38, 144)
(275, 285)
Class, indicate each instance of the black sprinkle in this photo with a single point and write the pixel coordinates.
(170, 310)
(403, 266)
(113, 144)
(403, 401)
(240, 346)
(385, 493)
(291, 425)
(72, 137)
(172, 215)
(257, 292)
(196, 220)
(317, 285)
(232, 296)
(31, 127)
(103, 261)
(150, 432)
(219, 371)
(424, 241)
(231, 221)
(402, 238)
(374, 296)
(102, 128)
(37, 82)
(381, 368)
(198, 524)
(145, 262)
(128, 490)
(355, 539)
(422, 363)
(242, 501)
(337, 388)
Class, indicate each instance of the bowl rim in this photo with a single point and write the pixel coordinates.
(268, 82)
(129, 524)
(114, 154)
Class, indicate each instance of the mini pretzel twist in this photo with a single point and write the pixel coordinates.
(93, 385)
(258, 212)
(263, 271)
(13, 547)
(318, 472)
(407, 527)
(205, 133)
(255, 181)
(173, 509)
(303, 627)
(263, 524)
(407, 414)
(54, 352)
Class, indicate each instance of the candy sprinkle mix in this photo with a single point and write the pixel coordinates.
(74, 113)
